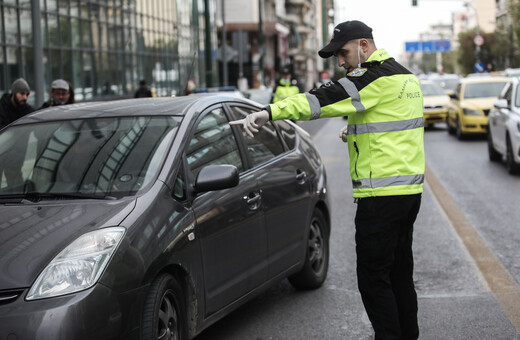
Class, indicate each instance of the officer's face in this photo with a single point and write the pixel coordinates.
(348, 55)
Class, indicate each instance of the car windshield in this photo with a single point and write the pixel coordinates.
(84, 158)
(483, 90)
(447, 84)
(431, 89)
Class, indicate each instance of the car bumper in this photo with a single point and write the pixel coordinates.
(473, 124)
(431, 117)
(96, 313)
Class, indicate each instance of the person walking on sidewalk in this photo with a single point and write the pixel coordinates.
(14, 105)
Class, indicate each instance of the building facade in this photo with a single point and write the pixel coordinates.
(263, 36)
(104, 48)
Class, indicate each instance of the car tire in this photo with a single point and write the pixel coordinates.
(451, 130)
(494, 155)
(458, 132)
(164, 315)
(512, 167)
(315, 268)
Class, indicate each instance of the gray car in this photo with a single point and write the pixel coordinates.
(152, 218)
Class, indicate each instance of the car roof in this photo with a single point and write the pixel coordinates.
(178, 106)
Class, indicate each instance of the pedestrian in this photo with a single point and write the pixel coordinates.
(60, 94)
(383, 102)
(143, 90)
(286, 86)
(14, 105)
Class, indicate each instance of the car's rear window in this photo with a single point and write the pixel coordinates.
(109, 156)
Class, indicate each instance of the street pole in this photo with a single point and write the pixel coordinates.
(223, 47)
(477, 47)
(207, 46)
(261, 41)
(38, 52)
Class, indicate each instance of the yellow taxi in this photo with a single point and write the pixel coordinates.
(470, 104)
(435, 103)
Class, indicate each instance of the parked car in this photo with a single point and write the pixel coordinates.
(448, 82)
(470, 104)
(435, 103)
(152, 218)
(504, 127)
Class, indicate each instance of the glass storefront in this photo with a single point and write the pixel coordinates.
(104, 48)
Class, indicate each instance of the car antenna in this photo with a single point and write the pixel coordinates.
(190, 71)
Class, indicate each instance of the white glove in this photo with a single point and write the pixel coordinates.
(343, 133)
(252, 122)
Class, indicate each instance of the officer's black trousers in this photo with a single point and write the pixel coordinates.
(384, 228)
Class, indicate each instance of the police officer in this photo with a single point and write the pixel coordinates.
(286, 86)
(383, 102)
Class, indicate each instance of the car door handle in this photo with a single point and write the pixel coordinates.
(253, 200)
(301, 176)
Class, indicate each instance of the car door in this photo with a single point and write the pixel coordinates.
(498, 121)
(229, 222)
(283, 180)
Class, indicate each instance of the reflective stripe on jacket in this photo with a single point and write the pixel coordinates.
(384, 105)
(284, 90)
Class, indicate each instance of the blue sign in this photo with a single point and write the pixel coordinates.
(442, 45)
(479, 67)
(428, 46)
(413, 46)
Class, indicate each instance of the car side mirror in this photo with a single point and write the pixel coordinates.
(216, 177)
(454, 96)
(501, 103)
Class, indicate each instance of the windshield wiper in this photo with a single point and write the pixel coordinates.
(40, 196)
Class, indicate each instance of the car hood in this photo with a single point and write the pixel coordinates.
(442, 100)
(479, 103)
(31, 235)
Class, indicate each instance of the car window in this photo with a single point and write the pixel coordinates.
(288, 133)
(517, 96)
(266, 144)
(458, 90)
(107, 156)
(212, 143)
(179, 186)
(507, 93)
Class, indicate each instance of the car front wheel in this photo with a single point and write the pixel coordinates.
(512, 166)
(494, 155)
(314, 271)
(164, 315)
(458, 132)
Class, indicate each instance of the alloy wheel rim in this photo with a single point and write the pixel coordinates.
(168, 327)
(315, 244)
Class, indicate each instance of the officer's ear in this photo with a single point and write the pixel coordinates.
(364, 45)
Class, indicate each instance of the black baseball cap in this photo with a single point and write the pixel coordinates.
(343, 33)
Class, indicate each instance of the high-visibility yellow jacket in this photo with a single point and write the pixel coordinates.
(384, 105)
(285, 89)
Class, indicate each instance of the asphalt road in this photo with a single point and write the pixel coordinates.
(456, 299)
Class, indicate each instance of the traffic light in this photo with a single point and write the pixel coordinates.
(414, 2)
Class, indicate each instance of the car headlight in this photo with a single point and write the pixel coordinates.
(79, 265)
(471, 112)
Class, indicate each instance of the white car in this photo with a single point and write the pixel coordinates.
(504, 127)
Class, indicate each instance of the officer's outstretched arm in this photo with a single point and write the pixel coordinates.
(252, 122)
